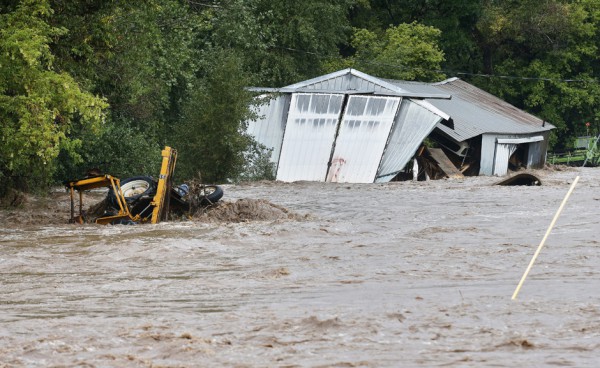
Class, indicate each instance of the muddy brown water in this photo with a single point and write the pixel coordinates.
(368, 275)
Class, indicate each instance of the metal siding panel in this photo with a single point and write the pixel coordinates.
(413, 124)
(362, 137)
(534, 156)
(309, 134)
(488, 149)
(503, 153)
(269, 127)
(536, 153)
(542, 151)
(521, 140)
(355, 83)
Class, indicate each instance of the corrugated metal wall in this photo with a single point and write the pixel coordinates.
(377, 134)
(488, 151)
(268, 129)
(536, 155)
(492, 152)
(362, 137)
(503, 153)
(413, 124)
(309, 135)
(347, 82)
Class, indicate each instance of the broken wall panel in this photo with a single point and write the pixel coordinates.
(494, 151)
(536, 154)
(269, 127)
(362, 137)
(503, 153)
(412, 125)
(309, 135)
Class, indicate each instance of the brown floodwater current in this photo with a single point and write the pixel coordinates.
(367, 275)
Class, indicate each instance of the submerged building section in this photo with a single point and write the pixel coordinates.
(351, 127)
(488, 133)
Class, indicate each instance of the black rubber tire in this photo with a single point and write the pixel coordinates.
(135, 189)
(212, 194)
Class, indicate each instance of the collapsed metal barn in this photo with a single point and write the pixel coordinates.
(486, 127)
(349, 126)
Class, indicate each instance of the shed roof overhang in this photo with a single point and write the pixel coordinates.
(407, 94)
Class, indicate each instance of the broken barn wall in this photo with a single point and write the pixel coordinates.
(362, 137)
(502, 156)
(412, 125)
(495, 146)
(488, 151)
(536, 156)
(268, 129)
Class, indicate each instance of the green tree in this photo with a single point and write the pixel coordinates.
(211, 140)
(117, 148)
(455, 19)
(38, 105)
(406, 51)
(281, 42)
(549, 51)
(138, 55)
(142, 57)
(300, 36)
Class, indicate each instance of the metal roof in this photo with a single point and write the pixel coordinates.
(351, 81)
(385, 93)
(474, 111)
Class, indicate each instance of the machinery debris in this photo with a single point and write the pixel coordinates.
(140, 199)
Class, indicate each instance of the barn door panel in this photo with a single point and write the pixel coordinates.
(309, 135)
(362, 137)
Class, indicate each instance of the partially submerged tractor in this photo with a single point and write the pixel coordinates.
(141, 199)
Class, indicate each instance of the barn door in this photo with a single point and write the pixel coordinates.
(362, 137)
(309, 134)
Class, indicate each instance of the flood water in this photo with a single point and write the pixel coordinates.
(374, 275)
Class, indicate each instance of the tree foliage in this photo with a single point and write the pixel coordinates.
(455, 19)
(405, 52)
(550, 48)
(211, 139)
(38, 105)
(281, 42)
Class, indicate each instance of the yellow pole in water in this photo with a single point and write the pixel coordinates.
(514, 296)
(169, 156)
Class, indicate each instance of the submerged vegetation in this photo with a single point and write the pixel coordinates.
(107, 84)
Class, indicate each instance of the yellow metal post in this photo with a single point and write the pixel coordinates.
(80, 202)
(161, 199)
(72, 205)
